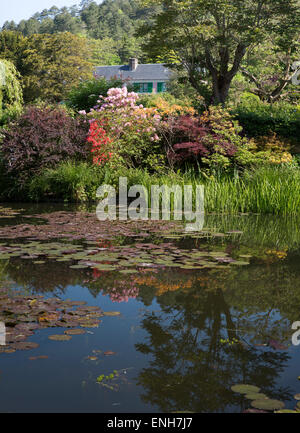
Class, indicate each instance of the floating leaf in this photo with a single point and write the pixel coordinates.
(254, 411)
(74, 331)
(256, 396)
(245, 389)
(267, 404)
(286, 411)
(60, 337)
(111, 313)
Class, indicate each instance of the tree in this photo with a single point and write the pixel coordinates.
(11, 98)
(214, 35)
(31, 27)
(65, 22)
(103, 52)
(11, 46)
(9, 25)
(52, 64)
(269, 66)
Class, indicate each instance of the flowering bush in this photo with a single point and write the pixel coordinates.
(100, 143)
(213, 140)
(167, 105)
(131, 128)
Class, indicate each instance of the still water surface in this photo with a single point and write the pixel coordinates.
(186, 332)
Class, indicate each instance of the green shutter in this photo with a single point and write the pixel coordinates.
(150, 87)
(136, 87)
(159, 87)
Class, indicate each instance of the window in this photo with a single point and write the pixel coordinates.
(143, 87)
(161, 87)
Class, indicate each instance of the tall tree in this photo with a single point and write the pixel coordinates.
(52, 64)
(214, 35)
(11, 47)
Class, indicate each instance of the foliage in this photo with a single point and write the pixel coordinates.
(261, 119)
(266, 189)
(41, 138)
(11, 47)
(131, 128)
(214, 36)
(11, 97)
(69, 181)
(109, 25)
(212, 139)
(85, 95)
(103, 51)
(53, 64)
(167, 105)
(100, 142)
(268, 68)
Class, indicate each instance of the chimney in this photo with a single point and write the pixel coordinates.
(133, 63)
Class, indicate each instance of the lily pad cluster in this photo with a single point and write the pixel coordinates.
(7, 212)
(113, 380)
(259, 401)
(123, 258)
(23, 315)
(85, 225)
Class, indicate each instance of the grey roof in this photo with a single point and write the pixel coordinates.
(149, 71)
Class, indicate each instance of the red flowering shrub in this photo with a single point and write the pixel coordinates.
(193, 139)
(41, 138)
(100, 143)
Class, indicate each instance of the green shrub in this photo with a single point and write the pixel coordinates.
(86, 94)
(70, 181)
(261, 119)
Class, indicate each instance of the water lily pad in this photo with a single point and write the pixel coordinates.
(286, 411)
(256, 396)
(245, 389)
(74, 331)
(254, 411)
(60, 337)
(24, 345)
(267, 404)
(111, 313)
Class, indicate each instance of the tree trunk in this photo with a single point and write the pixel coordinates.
(221, 86)
(222, 76)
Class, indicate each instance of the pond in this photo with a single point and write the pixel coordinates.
(136, 317)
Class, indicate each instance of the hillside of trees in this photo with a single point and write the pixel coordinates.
(113, 22)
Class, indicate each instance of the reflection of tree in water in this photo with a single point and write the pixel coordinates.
(191, 368)
(51, 276)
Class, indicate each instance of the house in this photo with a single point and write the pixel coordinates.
(146, 78)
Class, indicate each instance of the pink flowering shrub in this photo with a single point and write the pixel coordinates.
(131, 128)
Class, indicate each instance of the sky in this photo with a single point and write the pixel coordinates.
(17, 10)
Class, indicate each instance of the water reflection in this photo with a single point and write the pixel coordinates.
(210, 328)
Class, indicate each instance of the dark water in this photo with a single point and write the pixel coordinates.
(184, 336)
